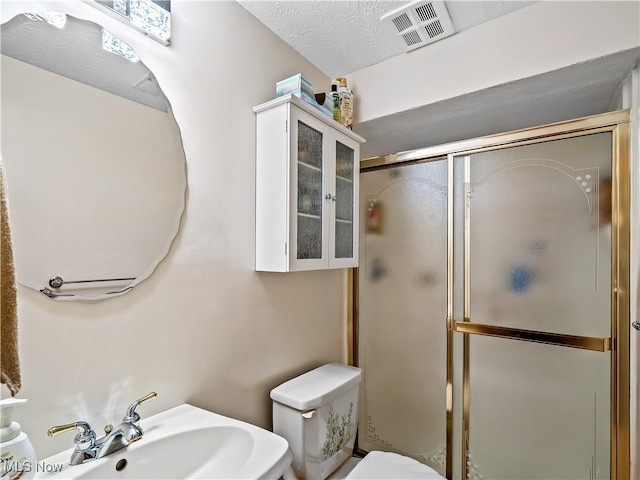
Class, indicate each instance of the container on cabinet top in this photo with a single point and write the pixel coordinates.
(325, 100)
(312, 100)
(296, 83)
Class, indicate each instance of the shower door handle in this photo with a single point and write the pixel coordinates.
(558, 339)
(636, 325)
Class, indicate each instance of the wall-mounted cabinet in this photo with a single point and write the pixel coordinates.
(307, 172)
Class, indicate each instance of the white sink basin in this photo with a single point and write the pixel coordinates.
(185, 442)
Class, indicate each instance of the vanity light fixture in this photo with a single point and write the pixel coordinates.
(150, 17)
(113, 44)
(57, 19)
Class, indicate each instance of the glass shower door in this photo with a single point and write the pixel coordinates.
(535, 223)
(523, 246)
(403, 310)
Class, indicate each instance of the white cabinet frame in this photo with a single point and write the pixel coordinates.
(277, 167)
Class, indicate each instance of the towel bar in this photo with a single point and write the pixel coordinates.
(57, 282)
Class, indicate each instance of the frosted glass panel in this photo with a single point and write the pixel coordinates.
(310, 199)
(344, 201)
(309, 190)
(309, 145)
(344, 239)
(309, 237)
(537, 411)
(403, 307)
(540, 237)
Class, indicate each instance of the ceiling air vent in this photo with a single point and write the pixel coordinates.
(147, 84)
(419, 23)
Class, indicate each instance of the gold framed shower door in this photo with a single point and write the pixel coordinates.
(615, 123)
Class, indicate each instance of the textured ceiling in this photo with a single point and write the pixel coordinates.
(76, 52)
(341, 37)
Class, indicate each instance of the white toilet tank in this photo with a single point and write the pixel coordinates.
(317, 413)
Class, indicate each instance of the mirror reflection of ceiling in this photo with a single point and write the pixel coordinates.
(65, 51)
(96, 181)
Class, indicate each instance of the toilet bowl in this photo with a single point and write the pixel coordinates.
(317, 413)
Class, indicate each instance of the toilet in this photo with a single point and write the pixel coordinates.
(317, 413)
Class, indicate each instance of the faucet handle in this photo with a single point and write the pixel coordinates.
(84, 440)
(132, 416)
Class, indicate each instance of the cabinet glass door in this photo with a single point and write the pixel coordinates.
(344, 247)
(344, 201)
(309, 192)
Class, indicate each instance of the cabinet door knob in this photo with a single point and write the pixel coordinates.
(334, 198)
(327, 196)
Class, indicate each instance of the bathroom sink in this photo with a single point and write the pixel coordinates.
(184, 442)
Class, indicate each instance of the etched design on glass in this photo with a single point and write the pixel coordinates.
(437, 459)
(374, 215)
(372, 201)
(586, 178)
(441, 189)
(373, 436)
(474, 471)
(339, 431)
(153, 17)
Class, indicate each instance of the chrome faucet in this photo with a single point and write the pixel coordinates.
(87, 447)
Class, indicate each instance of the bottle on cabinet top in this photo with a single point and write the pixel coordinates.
(346, 103)
(335, 98)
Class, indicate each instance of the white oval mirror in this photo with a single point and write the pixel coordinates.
(93, 157)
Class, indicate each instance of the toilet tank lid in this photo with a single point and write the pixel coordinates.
(317, 387)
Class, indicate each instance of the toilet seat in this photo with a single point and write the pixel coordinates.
(387, 465)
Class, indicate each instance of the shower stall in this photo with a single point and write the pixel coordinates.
(491, 305)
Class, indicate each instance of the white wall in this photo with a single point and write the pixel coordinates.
(205, 328)
(546, 36)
